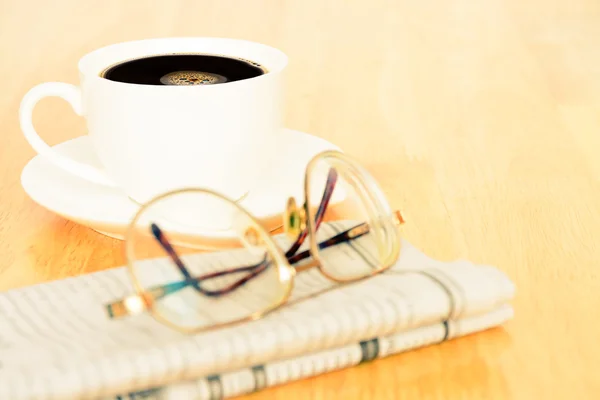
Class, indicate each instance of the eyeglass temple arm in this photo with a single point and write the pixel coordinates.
(120, 307)
(343, 237)
(135, 303)
(166, 245)
(195, 282)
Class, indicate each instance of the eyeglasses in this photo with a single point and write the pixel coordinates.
(345, 229)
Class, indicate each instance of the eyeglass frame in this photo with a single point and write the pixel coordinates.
(305, 226)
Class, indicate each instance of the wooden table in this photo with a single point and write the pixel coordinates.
(481, 119)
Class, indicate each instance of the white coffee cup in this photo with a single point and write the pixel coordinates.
(151, 139)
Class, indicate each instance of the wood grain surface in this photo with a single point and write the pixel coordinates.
(480, 119)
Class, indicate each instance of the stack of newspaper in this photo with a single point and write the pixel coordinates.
(56, 341)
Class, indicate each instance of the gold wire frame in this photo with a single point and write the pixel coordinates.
(286, 271)
(369, 192)
(353, 171)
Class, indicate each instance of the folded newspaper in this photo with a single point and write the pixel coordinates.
(56, 341)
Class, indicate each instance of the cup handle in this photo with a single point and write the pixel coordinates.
(72, 95)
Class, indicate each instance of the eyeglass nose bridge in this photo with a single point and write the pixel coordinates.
(294, 219)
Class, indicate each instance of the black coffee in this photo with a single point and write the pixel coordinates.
(183, 69)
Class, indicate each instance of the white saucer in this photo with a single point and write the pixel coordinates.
(108, 210)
